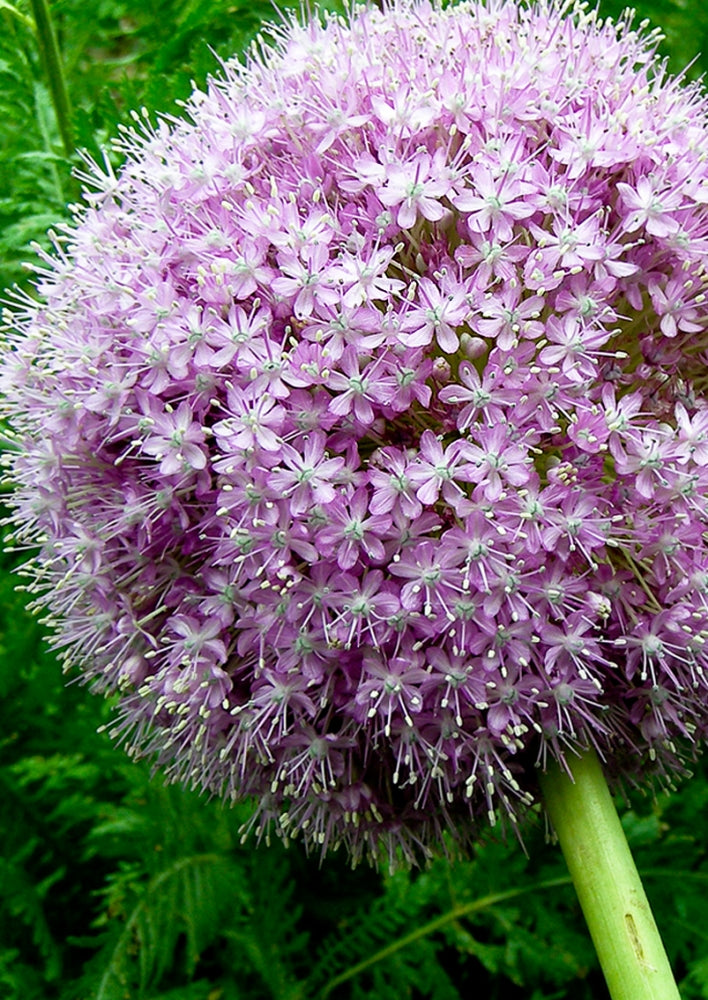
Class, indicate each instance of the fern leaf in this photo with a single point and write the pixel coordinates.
(390, 915)
(24, 903)
(174, 904)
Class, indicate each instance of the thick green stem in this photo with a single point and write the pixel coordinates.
(49, 54)
(606, 880)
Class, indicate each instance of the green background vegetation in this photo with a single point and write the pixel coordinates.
(115, 887)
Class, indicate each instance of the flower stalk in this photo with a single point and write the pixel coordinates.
(606, 880)
(51, 62)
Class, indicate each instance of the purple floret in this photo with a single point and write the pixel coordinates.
(362, 422)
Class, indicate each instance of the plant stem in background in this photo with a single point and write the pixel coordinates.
(49, 54)
(451, 916)
(606, 880)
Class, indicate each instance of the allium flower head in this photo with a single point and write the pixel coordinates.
(362, 421)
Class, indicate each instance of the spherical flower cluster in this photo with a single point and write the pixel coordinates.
(363, 421)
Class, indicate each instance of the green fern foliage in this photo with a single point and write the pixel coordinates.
(166, 923)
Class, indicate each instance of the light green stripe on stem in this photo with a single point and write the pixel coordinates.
(51, 61)
(606, 880)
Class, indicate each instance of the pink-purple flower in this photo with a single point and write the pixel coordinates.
(361, 422)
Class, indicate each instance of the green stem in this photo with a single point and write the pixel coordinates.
(49, 55)
(606, 880)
